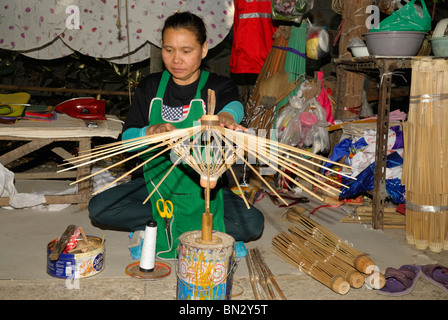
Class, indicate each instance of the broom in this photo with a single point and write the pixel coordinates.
(276, 88)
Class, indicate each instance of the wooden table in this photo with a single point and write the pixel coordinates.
(39, 134)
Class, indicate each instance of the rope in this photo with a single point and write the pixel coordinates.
(118, 24)
(337, 6)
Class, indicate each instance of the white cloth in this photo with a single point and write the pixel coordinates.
(17, 200)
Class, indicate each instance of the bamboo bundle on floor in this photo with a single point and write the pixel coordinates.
(287, 247)
(391, 219)
(329, 242)
(425, 166)
(263, 282)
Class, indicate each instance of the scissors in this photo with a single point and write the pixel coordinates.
(166, 213)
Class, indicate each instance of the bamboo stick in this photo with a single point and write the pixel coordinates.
(270, 279)
(255, 285)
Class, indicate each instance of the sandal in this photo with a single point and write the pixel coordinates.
(400, 281)
(436, 274)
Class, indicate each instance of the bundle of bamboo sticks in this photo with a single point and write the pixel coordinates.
(425, 166)
(323, 255)
(262, 280)
(361, 214)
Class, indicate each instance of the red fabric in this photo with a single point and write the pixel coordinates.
(252, 37)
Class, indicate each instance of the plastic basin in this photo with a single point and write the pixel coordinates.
(439, 46)
(394, 43)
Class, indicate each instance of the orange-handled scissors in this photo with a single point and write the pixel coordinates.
(165, 212)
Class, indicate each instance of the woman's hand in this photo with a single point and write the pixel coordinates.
(226, 120)
(160, 128)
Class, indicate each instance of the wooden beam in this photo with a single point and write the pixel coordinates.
(23, 150)
(61, 199)
(65, 90)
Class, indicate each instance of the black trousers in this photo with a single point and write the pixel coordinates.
(122, 207)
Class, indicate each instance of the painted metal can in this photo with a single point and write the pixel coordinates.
(79, 265)
(205, 271)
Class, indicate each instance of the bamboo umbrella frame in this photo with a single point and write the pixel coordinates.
(299, 255)
(345, 269)
(327, 241)
(210, 150)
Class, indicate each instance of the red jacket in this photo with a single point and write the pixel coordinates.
(252, 35)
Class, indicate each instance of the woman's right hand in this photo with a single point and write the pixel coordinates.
(160, 128)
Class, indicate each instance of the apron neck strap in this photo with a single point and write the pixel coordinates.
(202, 80)
(166, 77)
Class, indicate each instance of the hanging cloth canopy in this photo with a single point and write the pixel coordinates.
(53, 50)
(31, 24)
(217, 16)
(118, 30)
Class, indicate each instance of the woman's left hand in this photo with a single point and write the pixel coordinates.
(226, 120)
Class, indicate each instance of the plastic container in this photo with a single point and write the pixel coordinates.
(439, 46)
(441, 29)
(394, 43)
(307, 121)
(360, 51)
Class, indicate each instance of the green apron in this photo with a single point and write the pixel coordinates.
(182, 184)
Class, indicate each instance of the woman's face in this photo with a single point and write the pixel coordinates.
(182, 54)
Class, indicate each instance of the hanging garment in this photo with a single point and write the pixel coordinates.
(253, 32)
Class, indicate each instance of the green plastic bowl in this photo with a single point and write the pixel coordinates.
(439, 46)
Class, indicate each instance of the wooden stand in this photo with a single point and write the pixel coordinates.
(84, 188)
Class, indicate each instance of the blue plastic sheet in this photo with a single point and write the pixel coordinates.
(344, 148)
(365, 181)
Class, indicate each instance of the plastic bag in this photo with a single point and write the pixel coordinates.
(365, 181)
(290, 10)
(290, 130)
(409, 18)
(286, 117)
(321, 137)
(324, 100)
(317, 42)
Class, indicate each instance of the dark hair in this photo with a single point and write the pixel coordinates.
(187, 20)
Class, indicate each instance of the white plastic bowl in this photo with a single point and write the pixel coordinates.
(360, 51)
